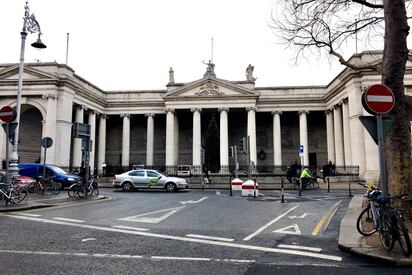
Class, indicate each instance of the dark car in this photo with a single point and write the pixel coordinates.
(36, 170)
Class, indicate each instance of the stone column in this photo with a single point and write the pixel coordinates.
(150, 139)
(251, 132)
(337, 123)
(197, 137)
(102, 143)
(346, 132)
(224, 140)
(170, 137)
(126, 140)
(303, 133)
(77, 143)
(92, 123)
(277, 139)
(330, 136)
(357, 130)
(50, 127)
(176, 141)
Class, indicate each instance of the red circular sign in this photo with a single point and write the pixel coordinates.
(7, 114)
(379, 98)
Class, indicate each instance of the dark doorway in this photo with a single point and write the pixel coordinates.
(313, 160)
(212, 146)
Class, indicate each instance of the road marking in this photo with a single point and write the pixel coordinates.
(285, 230)
(217, 192)
(28, 214)
(68, 220)
(130, 227)
(144, 218)
(270, 223)
(299, 247)
(126, 256)
(186, 202)
(184, 239)
(326, 219)
(88, 239)
(210, 238)
(298, 217)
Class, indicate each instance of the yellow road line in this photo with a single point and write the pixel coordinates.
(326, 219)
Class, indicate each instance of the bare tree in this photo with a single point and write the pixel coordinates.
(327, 25)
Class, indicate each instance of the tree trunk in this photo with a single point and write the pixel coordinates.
(398, 141)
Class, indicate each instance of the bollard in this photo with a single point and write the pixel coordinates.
(328, 186)
(283, 190)
(350, 190)
(230, 185)
(254, 188)
(300, 187)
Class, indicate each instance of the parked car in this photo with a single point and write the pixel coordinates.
(36, 170)
(143, 178)
(23, 181)
(184, 170)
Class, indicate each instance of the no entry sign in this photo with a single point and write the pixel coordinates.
(379, 99)
(7, 114)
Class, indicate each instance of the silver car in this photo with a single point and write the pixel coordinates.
(142, 178)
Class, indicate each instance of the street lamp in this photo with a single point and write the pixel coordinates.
(31, 25)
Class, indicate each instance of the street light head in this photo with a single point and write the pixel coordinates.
(38, 44)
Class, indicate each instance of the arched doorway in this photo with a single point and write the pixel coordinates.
(30, 134)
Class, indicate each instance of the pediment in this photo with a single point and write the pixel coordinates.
(29, 73)
(211, 88)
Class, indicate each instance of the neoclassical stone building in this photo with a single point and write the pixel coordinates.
(169, 127)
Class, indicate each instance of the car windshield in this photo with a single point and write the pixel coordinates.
(58, 170)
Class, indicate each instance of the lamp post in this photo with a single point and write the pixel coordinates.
(31, 25)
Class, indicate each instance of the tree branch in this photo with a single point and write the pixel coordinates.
(367, 4)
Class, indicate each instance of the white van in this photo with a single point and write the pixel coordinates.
(184, 170)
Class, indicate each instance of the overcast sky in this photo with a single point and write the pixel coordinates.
(130, 44)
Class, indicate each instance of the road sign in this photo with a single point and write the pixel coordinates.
(46, 142)
(379, 99)
(81, 130)
(7, 114)
(370, 124)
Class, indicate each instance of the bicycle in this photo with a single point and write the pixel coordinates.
(381, 216)
(12, 193)
(48, 185)
(82, 189)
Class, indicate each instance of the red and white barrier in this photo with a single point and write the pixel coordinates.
(237, 184)
(250, 188)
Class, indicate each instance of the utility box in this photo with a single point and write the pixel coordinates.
(250, 188)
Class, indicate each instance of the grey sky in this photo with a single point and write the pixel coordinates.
(130, 44)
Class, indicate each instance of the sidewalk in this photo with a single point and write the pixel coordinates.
(40, 201)
(351, 241)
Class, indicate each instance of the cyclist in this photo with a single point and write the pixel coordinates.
(305, 177)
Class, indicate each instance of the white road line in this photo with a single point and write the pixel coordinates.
(210, 238)
(144, 217)
(185, 239)
(68, 220)
(125, 256)
(308, 248)
(88, 239)
(180, 258)
(28, 214)
(270, 223)
(130, 227)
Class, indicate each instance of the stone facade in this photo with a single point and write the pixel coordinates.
(168, 127)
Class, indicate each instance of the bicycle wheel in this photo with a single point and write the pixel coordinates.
(18, 196)
(95, 188)
(81, 191)
(73, 189)
(402, 235)
(54, 187)
(365, 224)
(386, 231)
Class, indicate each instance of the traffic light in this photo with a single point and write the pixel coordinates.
(231, 152)
(241, 144)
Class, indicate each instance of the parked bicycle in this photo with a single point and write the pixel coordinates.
(12, 193)
(45, 185)
(82, 189)
(379, 215)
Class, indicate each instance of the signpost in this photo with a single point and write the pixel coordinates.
(378, 100)
(46, 142)
(7, 115)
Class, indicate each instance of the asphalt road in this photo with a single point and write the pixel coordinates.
(191, 232)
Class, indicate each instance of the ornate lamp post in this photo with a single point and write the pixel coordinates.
(31, 25)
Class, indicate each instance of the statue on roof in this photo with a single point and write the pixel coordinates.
(171, 75)
(210, 70)
(249, 73)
